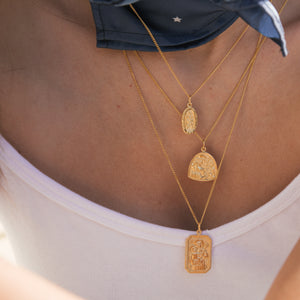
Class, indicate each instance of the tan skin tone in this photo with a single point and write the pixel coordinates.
(72, 110)
(59, 108)
(286, 283)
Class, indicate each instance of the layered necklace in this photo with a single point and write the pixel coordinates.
(203, 166)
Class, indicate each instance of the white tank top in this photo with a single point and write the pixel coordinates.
(98, 253)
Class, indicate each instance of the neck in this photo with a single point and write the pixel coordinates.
(194, 65)
(74, 11)
(62, 39)
(79, 12)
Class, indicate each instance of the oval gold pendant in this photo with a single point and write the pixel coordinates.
(189, 120)
(203, 167)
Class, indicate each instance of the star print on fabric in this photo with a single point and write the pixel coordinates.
(177, 19)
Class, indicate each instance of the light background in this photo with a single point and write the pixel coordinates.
(5, 248)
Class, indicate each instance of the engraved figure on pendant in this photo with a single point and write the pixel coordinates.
(189, 120)
(198, 254)
(202, 167)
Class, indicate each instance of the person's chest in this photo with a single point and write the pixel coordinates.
(81, 122)
(106, 150)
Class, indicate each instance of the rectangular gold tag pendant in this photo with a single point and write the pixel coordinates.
(198, 253)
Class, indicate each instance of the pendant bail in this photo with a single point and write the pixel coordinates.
(189, 104)
(199, 231)
(203, 148)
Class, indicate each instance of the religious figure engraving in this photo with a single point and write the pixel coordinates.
(189, 120)
(198, 254)
(203, 167)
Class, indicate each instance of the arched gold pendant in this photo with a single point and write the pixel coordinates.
(203, 167)
(189, 120)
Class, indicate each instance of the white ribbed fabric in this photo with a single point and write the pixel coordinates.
(101, 254)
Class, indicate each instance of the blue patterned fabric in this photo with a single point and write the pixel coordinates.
(179, 24)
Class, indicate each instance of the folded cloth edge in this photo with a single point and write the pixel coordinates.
(259, 14)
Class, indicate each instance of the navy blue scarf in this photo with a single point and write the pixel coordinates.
(179, 24)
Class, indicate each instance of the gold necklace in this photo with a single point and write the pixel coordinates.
(203, 166)
(198, 246)
(189, 117)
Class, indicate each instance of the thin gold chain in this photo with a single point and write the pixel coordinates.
(202, 139)
(199, 223)
(250, 68)
(171, 69)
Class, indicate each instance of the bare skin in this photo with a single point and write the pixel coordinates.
(286, 284)
(73, 111)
